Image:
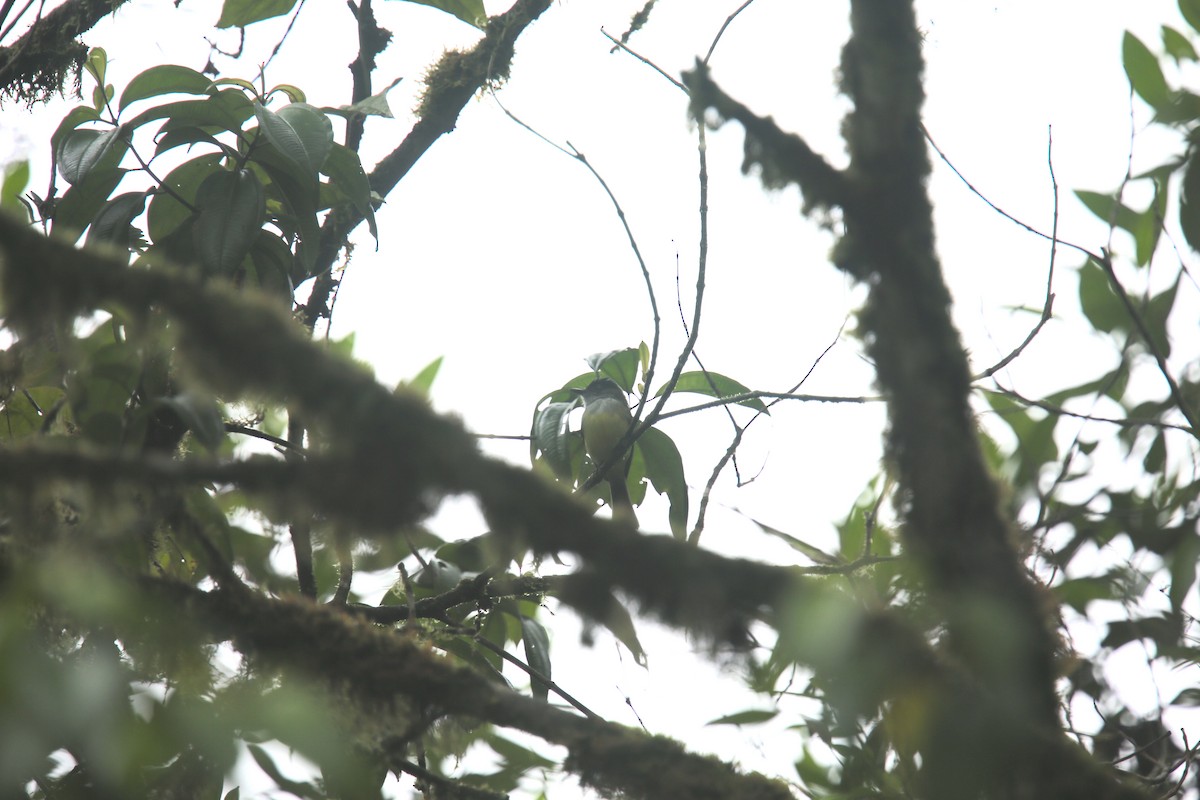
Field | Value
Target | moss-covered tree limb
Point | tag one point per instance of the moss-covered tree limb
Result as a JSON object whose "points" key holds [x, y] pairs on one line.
{"points": [[952, 519], [392, 448], [450, 85], [35, 67], [783, 158], [376, 667]]}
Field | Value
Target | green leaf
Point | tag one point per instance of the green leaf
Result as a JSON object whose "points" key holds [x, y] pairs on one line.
{"points": [[238, 13], [1177, 45], [1187, 697], [376, 105], [81, 151], [469, 11], [1110, 212], [1079, 592], [1099, 302], [550, 437], [100, 395], [1182, 561], [1190, 10], [97, 64], [537, 654], [1189, 201], [294, 93], [749, 717], [74, 118], [664, 468], [1148, 228], [232, 210], [16, 178], [113, 221], [1145, 75], [300, 132], [295, 190], [422, 382], [811, 552], [272, 263], [620, 365], [164, 79], [717, 385], [345, 171], [79, 206], [1157, 313], [190, 135], [166, 213], [226, 110]]}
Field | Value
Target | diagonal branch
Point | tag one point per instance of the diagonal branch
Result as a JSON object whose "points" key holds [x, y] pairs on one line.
{"points": [[450, 85], [783, 158]]}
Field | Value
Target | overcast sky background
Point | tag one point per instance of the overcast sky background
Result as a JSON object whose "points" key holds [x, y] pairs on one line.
{"points": [[505, 257]]}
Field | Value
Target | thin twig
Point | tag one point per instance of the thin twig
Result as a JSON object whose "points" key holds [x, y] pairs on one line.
{"points": [[1048, 304], [533, 673]]}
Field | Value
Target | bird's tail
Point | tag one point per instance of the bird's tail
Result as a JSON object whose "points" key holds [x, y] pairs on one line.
{"points": [[622, 504]]}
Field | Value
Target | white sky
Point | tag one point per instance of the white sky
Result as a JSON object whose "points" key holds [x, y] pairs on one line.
{"points": [[505, 257]]}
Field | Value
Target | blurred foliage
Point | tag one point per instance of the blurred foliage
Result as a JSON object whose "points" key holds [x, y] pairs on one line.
{"points": [[103, 695]]}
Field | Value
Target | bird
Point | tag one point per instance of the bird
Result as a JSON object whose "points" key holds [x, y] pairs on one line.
{"points": [[606, 419]]}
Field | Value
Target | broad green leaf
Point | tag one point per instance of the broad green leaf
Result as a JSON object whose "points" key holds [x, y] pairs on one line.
{"points": [[242, 82], [74, 118], [714, 384], [1149, 226], [97, 64], [1100, 304], [469, 11], [345, 171], [16, 178], [272, 259], [550, 437], [1184, 107], [1189, 201], [1108, 210], [232, 211], [113, 221], [620, 365], [188, 136], [1079, 592], [166, 213], [78, 207], [664, 468], [164, 79], [101, 95], [294, 93], [100, 394], [296, 210], [537, 654], [1182, 561], [1190, 10], [1156, 314], [300, 132], [226, 110], [81, 151], [238, 13], [1177, 45], [1145, 75], [750, 717]]}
